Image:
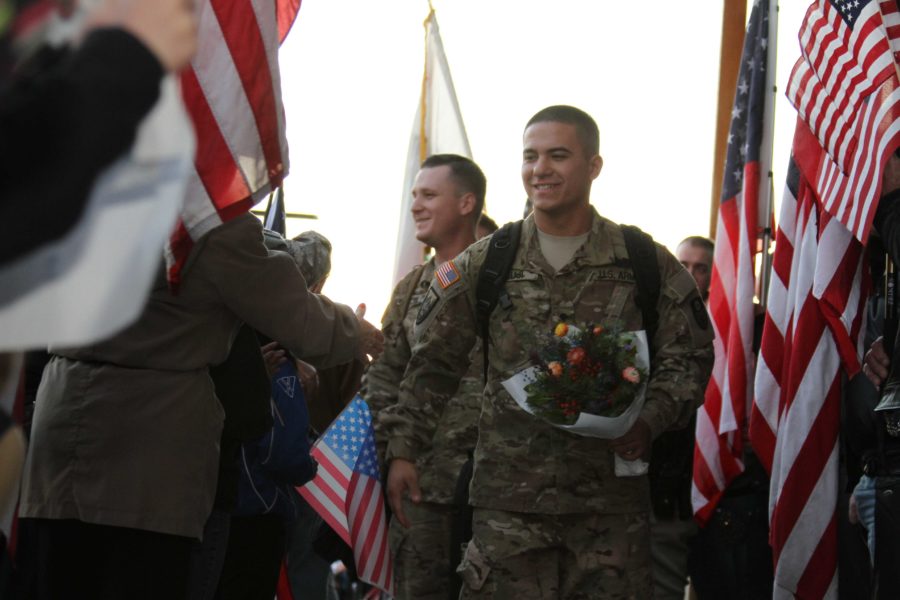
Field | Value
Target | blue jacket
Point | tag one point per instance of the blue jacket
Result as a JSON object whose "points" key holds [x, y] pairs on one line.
{"points": [[279, 460]]}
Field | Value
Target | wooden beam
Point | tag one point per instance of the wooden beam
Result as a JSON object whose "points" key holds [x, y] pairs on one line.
{"points": [[734, 25]]}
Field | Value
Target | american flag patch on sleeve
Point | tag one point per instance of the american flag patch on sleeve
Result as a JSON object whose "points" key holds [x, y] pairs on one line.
{"points": [[447, 275]]}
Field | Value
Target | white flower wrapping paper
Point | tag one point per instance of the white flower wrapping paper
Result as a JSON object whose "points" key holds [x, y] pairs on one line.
{"points": [[588, 425]]}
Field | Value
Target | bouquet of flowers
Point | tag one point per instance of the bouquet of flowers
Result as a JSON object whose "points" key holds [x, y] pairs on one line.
{"points": [[588, 380], [592, 370]]}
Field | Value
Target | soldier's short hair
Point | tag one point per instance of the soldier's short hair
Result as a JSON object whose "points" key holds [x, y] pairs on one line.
{"points": [[585, 126], [467, 175], [700, 242]]}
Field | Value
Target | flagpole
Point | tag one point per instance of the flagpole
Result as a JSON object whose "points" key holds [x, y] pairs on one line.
{"points": [[734, 24], [766, 152]]}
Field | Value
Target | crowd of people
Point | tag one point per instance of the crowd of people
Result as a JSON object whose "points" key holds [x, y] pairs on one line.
{"points": [[164, 461]]}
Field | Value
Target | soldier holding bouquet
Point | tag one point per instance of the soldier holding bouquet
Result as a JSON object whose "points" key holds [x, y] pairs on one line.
{"points": [[552, 519]]}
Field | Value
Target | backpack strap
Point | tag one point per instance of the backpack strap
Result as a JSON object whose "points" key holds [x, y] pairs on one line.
{"points": [[645, 265], [492, 278], [412, 291]]}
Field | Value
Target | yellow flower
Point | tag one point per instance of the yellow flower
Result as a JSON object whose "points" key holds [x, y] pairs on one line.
{"points": [[561, 330]]}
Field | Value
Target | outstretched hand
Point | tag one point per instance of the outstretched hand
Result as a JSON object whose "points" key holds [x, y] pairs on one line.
{"points": [[402, 479], [371, 340]]}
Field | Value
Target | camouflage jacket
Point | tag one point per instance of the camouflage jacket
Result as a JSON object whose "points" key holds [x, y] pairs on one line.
{"points": [[457, 426], [522, 463]]}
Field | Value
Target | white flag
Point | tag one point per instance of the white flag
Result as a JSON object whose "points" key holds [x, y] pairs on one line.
{"points": [[437, 129]]}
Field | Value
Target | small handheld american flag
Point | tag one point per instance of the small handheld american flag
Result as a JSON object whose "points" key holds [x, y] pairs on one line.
{"points": [[347, 492]]}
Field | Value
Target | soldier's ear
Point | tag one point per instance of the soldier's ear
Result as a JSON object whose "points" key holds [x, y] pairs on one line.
{"points": [[466, 204], [596, 166]]}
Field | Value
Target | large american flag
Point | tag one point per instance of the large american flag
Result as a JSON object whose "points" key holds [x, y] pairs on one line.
{"points": [[845, 88], [233, 93], [813, 320], [347, 494], [721, 419]]}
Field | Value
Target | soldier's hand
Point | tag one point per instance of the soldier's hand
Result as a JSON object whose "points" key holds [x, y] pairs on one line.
{"points": [[402, 479], [371, 340], [876, 363], [635, 443]]}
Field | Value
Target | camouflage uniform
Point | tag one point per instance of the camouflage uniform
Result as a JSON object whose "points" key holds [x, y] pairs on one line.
{"points": [[421, 552], [528, 474]]}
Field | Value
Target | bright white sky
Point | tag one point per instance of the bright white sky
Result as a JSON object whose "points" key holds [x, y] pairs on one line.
{"points": [[647, 72]]}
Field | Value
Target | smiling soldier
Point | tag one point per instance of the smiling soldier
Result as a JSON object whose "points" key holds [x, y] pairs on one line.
{"points": [[551, 518], [448, 198]]}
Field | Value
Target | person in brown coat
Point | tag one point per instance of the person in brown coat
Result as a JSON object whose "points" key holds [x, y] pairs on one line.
{"points": [[121, 473]]}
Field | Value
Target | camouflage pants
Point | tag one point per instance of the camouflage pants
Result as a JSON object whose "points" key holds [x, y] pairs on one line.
{"points": [[517, 556], [422, 552]]}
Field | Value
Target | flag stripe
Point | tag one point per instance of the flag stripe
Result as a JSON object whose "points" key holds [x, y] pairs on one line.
{"points": [[251, 61]]}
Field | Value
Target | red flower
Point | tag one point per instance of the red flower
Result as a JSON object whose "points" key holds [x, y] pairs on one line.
{"points": [[576, 355]]}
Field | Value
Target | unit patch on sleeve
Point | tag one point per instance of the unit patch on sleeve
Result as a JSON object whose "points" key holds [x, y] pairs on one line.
{"points": [[447, 275], [700, 314], [428, 303]]}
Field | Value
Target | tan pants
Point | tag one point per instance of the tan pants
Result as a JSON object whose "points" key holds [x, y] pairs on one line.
{"points": [[517, 556], [422, 552]]}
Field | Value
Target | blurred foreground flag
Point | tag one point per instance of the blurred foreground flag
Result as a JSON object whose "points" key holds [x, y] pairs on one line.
{"points": [[233, 93], [346, 492], [94, 280], [845, 88], [437, 129]]}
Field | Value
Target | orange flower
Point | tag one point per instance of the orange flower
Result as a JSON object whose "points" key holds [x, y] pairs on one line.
{"points": [[576, 355], [561, 330], [631, 374], [556, 369], [598, 330]]}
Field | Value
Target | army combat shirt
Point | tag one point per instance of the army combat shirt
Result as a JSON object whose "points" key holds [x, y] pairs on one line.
{"points": [[522, 463], [441, 459]]}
